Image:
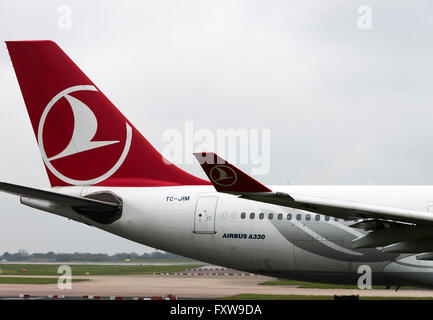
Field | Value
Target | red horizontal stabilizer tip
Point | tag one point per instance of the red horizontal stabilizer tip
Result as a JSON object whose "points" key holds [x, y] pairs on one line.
{"points": [[225, 177]]}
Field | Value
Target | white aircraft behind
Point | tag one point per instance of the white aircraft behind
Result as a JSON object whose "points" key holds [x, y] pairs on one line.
{"points": [[104, 173]]}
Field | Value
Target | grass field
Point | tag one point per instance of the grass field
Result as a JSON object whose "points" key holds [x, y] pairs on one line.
{"points": [[313, 297], [28, 280], [251, 296], [312, 285], [180, 260], [51, 269]]}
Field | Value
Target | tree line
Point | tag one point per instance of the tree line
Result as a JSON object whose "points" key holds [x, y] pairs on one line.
{"points": [[22, 255]]}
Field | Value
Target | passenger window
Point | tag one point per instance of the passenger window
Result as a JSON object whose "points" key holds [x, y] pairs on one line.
{"points": [[271, 216], [298, 216], [261, 216], [326, 218], [289, 216], [280, 216], [243, 214], [308, 217], [252, 215], [317, 217]]}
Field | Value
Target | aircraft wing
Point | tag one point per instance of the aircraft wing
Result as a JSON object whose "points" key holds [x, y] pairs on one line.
{"points": [[100, 207], [246, 187]]}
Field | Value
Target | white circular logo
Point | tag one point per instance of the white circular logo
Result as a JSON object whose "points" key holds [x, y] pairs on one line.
{"points": [[85, 127], [223, 176]]}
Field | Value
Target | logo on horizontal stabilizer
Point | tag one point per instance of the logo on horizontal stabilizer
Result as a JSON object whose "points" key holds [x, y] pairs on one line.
{"points": [[223, 176]]}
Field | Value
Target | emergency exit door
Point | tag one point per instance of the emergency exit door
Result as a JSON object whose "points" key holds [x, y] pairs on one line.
{"points": [[204, 216]]}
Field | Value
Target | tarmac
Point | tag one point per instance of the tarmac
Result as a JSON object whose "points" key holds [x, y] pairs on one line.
{"points": [[185, 286]]}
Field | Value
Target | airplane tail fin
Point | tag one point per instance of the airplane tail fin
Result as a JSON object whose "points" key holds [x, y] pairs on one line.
{"points": [[83, 138], [225, 177]]}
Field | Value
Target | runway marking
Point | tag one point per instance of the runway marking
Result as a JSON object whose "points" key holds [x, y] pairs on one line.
{"points": [[203, 274]]}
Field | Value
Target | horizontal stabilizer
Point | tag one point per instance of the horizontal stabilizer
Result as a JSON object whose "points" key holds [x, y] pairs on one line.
{"points": [[101, 207]]}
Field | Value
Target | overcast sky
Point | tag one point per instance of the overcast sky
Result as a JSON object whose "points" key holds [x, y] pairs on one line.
{"points": [[344, 105]]}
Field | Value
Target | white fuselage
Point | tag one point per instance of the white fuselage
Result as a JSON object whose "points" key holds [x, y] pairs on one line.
{"points": [[197, 222]]}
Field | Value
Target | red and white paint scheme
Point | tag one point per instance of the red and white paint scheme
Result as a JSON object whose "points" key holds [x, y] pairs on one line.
{"points": [[104, 173]]}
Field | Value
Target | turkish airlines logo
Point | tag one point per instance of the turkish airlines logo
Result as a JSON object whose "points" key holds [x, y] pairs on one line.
{"points": [[223, 176], [82, 139]]}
